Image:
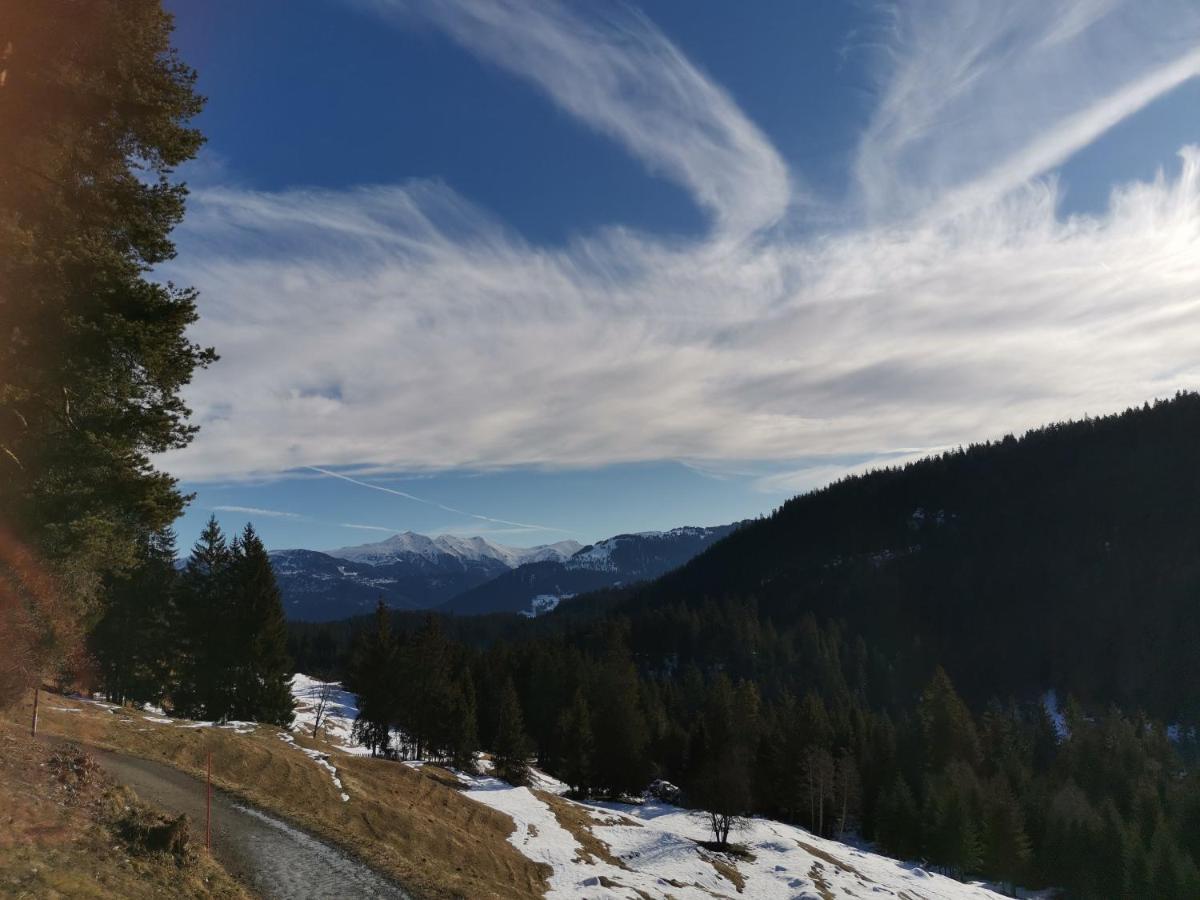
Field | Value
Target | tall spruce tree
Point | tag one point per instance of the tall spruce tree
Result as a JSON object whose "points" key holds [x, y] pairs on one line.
{"points": [[899, 825], [513, 748], [202, 627], [462, 729], [261, 668], [1006, 848], [373, 680], [620, 763], [577, 744], [426, 690], [947, 725], [950, 821], [94, 109], [132, 640]]}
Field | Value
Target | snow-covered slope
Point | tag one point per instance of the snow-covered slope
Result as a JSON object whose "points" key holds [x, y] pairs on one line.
{"points": [[653, 849], [337, 717]]}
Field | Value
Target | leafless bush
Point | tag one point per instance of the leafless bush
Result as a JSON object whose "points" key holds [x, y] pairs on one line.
{"points": [[324, 696], [37, 632]]}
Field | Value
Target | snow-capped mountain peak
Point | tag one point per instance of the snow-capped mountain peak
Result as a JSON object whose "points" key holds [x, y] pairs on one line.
{"points": [[467, 549], [470, 574]]}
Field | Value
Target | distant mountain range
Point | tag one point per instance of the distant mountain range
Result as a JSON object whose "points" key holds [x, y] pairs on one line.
{"points": [[407, 547], [471, 575], [536, 587]]}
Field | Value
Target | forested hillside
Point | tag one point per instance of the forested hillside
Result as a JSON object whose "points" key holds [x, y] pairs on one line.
{"points": [[1067, 559], [876, 657]]}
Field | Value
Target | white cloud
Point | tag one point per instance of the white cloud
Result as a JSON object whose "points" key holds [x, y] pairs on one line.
{"points": [[616, 72], [977, 97], [257, 511], [400, 328]]}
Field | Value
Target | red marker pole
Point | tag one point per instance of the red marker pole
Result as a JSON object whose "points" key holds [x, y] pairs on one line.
{"points": [[208, 808], [33, 730]]}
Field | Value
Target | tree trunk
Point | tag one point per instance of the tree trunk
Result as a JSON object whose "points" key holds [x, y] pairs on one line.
{"points": [[821, 805], [812, 799]]}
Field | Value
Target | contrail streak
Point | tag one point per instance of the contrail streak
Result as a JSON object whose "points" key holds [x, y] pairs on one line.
{"points": [[434, 503]]}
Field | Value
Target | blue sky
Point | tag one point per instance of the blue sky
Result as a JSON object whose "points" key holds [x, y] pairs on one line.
{"points": [[570, 270]]}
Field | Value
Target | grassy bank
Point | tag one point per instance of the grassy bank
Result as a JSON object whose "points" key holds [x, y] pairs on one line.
{"points": [[409, 823], [68, 831]]}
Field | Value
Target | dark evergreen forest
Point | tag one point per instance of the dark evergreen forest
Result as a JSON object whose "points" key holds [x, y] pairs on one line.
{"points": [[209, 640], [874, 658]]}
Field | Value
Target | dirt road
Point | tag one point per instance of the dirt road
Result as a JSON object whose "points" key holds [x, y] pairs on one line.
{"points": [[270, 856]]}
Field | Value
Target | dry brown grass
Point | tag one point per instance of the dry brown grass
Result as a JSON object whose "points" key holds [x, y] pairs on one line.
{"points": [[65, 833], [578, 822], [407, 823], [727, 869], [817, 874], [832, 860]]}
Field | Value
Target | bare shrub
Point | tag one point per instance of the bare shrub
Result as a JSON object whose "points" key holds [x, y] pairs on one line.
{"points": [[38, 633]]}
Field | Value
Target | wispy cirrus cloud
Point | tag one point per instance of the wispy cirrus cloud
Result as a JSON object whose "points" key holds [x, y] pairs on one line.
{"points": [[257, 511], [523, 526], [401, 328], [977, 97], [612, 69], [361, 527]]}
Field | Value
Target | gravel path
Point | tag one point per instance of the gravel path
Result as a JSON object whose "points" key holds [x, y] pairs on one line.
{"points": [[273, 858]]}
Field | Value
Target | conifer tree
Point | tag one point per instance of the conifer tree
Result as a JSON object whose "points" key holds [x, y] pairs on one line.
{"points": [[463, 731], [1137, 866], [132, 639], [577, 744], [1070, 830], [1111, 849], [951, 833], [202, 628], [372, 678], [425, 687], [814, 720], [261, 670], [1006, 848], [1173, 874], [620, 763], [511, 757], [899, 827], [946, 724], [94, 113]]}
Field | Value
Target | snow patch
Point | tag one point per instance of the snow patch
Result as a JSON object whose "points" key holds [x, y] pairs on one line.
{"points": [[544, 603], [658, 851], [1050, 704], [341, 709], [321, 759]]}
